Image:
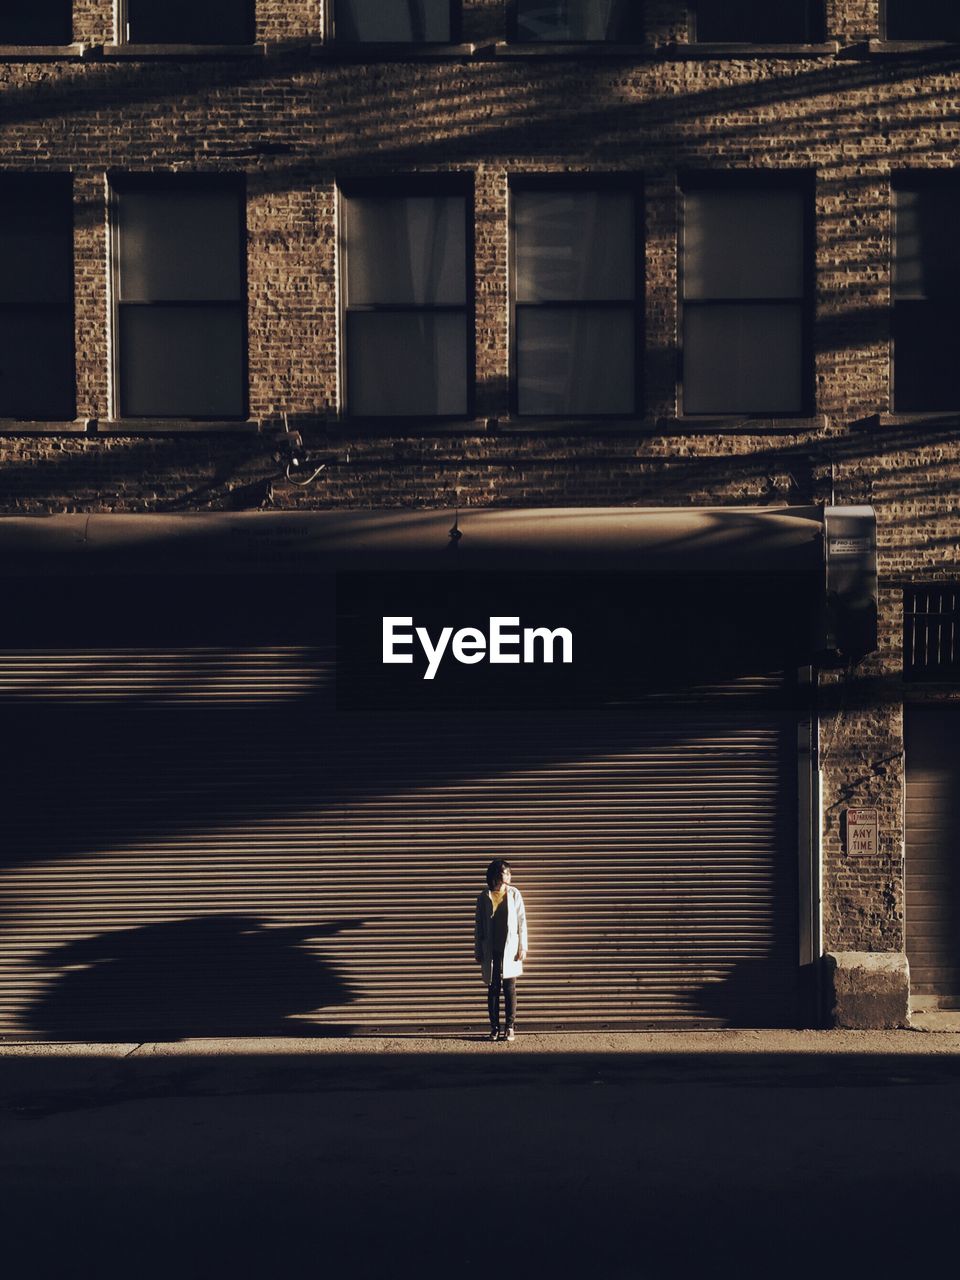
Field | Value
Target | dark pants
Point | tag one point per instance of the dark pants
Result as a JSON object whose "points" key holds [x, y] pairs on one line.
{"points": [[509, 994]]}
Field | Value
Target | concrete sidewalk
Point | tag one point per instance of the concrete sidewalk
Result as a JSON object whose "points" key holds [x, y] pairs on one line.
{"points": [[625, 1042], [44, 1076]]}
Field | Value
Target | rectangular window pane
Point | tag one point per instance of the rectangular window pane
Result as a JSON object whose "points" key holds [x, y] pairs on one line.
{"points": [[577, 360], [758, 21], [574, 245], [35, 22], [927, 253], [190, 21], [926, 357], [407, 363], [36, 297], [580, 20], [181, 361], [393, 21], [36, 364], [179, 246], [36, 239], [923, 20], [743, 244], [743, 358], [406, 250]]}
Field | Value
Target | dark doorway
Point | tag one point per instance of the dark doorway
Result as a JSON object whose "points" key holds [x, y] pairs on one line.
{"points": [[932, 859]]}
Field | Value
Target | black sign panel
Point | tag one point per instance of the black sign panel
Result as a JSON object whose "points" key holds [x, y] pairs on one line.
{"points": [[542, 639]]}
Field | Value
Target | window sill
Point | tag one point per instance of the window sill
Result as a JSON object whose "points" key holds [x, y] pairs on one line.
{"points": [[405, 428], [175, 426], [374, 52], [492, 426], [44, 52], [949, 418], [711, 50], [741, 424], [139, 52], [571, 49], [899, 48], [21, 427], [580, 426]]}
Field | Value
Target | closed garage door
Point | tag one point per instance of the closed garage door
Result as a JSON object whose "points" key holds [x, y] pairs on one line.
{"points": [[198, 843], [933, 856]]}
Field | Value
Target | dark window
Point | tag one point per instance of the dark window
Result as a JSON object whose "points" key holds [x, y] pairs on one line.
{"points": [[926, 279], [931, 632], [190, 21], [180, 318], [759, 21], [922, 20], [746, 298], [575, 295], [575, 20], [36, 298], [396, 21], [36, 22], [408, 323]]}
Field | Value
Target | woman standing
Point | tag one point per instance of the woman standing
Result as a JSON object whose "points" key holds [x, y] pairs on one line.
{"points": [[500, 943]]}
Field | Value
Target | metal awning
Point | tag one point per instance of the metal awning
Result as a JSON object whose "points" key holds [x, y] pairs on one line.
{"points": [[732, 539]]}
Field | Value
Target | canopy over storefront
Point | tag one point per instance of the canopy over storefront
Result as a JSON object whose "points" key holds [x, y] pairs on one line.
{"points": [[563, 538], [832, 547]]}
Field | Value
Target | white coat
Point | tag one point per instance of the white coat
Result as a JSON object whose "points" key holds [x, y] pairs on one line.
{"points": [[516, 943]]}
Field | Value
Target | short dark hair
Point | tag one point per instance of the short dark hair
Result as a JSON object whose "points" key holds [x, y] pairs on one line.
{"points": [[495, 872]]}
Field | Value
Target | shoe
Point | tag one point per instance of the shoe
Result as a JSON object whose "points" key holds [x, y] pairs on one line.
{"points": [[511, 1034], [494, 1033]]}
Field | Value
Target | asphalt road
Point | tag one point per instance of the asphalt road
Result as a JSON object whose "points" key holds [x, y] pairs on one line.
{"points": [[596, 1164]]}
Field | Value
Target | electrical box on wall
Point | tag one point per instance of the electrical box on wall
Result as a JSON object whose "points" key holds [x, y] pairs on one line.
{"points": [[850, 596]]}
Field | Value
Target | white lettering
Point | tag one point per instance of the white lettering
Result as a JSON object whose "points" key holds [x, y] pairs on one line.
{"points": [[434, 655], [532, 634], [499, 637], [469, 645], [391, 640]]}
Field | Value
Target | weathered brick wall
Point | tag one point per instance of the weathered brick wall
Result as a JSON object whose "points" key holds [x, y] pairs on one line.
{"points": [[290, 19], [93, 21], [851, 21], [294, 123]]}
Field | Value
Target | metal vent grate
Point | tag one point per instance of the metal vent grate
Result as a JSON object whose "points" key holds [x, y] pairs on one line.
{"points": [[931, 632]]}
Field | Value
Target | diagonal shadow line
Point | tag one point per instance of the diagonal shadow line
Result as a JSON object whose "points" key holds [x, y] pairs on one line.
{"points": [[230, 767], [371, 454], [92, 89]]}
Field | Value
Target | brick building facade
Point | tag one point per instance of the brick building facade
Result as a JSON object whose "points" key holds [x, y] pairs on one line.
{"points": [[298, 116]]}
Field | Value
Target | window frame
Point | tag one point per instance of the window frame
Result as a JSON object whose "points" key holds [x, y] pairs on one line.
{"points": [[628, 183], [63, 180], [406, 186], [514, 37], [331, 37], [119, 181], [816, 23], [924, 605], [914, 180], [125, 38], [802, 181]]}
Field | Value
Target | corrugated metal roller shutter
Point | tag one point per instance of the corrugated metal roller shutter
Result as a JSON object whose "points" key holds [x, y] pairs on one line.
{"points": [[932, 864], [196, 844]]}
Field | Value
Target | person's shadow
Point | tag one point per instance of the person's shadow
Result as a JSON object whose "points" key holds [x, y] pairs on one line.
{"points": [[217, 975]]}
